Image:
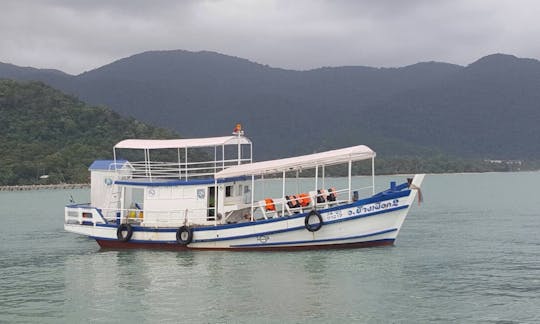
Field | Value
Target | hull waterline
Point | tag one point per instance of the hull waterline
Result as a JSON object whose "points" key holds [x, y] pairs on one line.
{"points": [[114, 245]]}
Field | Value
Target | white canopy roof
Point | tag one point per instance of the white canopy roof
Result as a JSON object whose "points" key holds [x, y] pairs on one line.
{"points": [[181, 143], [353, 153]]}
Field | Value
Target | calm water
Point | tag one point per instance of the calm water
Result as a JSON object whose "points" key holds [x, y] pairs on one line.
{"points": [[470, 253]]}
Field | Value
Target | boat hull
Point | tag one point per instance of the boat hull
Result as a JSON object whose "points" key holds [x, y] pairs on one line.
{"points": [[375, 221]]}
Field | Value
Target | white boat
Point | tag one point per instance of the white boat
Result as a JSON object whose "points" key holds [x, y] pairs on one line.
{"points": [[191, 201]]}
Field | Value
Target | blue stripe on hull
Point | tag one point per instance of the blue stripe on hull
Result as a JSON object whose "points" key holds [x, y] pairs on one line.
{"points": [[317, 241], [261, 244], [290, 229], [212, 228]]}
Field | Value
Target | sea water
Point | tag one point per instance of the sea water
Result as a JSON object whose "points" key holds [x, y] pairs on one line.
{"points": [[469, 253]]}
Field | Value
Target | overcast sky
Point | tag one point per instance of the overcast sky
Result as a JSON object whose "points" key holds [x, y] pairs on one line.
{"points": [[76, 35]]}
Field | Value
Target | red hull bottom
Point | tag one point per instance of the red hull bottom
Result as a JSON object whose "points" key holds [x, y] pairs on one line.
{"points": [[113, 244]]}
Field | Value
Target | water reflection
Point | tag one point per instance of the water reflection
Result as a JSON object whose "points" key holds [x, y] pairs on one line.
{"points": [[186, 258]]}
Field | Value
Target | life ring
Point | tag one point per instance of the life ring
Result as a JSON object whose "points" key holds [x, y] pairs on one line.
{"points": [[310, 223], [184, 235], [120, 232]]}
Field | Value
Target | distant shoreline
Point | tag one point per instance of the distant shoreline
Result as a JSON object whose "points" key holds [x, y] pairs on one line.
{"points": [[46, 187]]}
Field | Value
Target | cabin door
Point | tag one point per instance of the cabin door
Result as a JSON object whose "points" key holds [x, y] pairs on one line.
{"points": [[211, 204]]}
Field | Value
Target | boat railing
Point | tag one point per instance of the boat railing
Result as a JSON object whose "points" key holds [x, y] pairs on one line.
{"points": [[346, 195], [155, 169], [118, 166], [206, 215], [278, 207], [87, 215], [83, 214]]}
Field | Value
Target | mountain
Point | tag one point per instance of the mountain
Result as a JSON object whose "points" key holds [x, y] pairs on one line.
{"points": [[45, 132], [488, 109]]}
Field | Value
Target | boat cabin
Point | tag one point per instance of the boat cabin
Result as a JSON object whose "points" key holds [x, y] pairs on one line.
{"points": [[179, 188], [207, 181]]}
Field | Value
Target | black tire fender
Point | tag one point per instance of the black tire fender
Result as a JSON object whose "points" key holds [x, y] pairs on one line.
{"points": [[184, 235], [309, 221], [120, 232]]}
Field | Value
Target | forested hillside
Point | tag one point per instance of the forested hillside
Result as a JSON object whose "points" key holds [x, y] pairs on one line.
{"points": [[45, 132], [49, 137]]}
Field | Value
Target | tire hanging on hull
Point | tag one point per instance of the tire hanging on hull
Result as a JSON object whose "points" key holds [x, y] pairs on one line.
{"points": [[120, 232], [313, 221], [184, 235]]}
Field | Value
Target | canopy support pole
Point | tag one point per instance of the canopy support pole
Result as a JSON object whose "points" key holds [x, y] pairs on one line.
{"points": [[297, 184], [373, 176], [147, 163], [350, 180], [114, 157], [215, 159], [316, 179], [323, 184], [179, 165], [122, 204], [283, 194], [252, 194], [223, 157], [239, 150], [263, 186], [215, 201]]}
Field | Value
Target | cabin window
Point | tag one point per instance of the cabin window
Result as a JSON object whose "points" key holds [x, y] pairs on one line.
{"points": [[228, 191], [138, 195], [247, 195], [134, 198]]}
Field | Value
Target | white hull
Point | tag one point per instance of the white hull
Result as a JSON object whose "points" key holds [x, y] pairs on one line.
{"points": [[370, 222]]}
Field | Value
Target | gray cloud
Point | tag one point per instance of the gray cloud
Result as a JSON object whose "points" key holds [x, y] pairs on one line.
{"points": [[75, 36]]}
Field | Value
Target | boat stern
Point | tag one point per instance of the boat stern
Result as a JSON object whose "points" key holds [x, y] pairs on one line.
{"points": [[82, 219]]}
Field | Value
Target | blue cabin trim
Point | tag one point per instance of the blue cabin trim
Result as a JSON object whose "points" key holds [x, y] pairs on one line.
{"points": [[176, 182]]}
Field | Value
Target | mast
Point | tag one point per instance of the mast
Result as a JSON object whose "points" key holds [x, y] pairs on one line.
{"points": [[238, 132]]}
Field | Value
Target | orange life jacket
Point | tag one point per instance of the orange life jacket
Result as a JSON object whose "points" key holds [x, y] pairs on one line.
{"points": [[270, 204], [304, 199]]}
